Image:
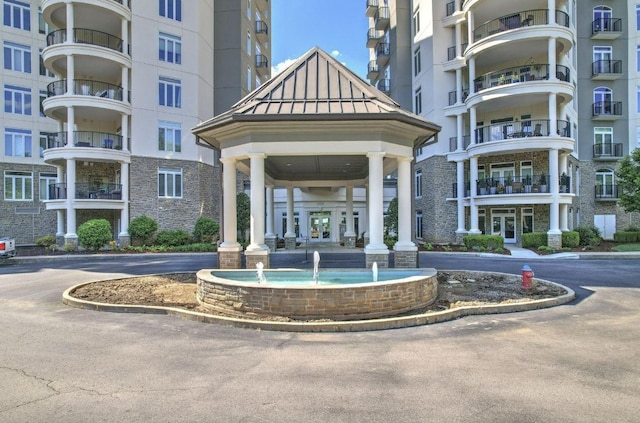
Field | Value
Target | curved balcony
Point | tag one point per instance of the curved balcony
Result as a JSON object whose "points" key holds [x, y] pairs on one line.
{"points": [[110, 12], [87, 87], [371, 8], [86, 195], [381, 18], [519, 74], [86, 139], [372, 70], [525, 18], [262, 30], [373, 36], [88, 36]]}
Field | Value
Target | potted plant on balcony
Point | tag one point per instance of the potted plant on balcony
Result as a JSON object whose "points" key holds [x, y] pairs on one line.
{"points": [[494, 186], [564, 182], [527, 183], [482, 185], [543, 183], [508, 186]]}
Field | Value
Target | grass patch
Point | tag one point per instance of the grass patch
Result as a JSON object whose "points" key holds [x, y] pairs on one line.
{"points": [[626, 247]]}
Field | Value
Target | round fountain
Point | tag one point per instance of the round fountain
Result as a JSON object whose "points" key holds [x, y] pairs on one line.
{"points": [[344, 294]]}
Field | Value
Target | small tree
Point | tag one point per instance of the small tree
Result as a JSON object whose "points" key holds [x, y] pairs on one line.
{"points": [[243, 215], [628, 180], [391, 219], [205, 230], [143, 228], [94, 234]]}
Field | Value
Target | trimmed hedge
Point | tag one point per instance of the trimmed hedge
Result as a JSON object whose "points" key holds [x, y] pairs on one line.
{"points": [[173, 238], [534, 239], [143, 228], [570, 239], [489, 242], [205, 230], [626, 236], [94, 234]]}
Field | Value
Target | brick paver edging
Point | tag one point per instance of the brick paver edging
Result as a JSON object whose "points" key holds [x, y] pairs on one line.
{"points": [[347, 326]]}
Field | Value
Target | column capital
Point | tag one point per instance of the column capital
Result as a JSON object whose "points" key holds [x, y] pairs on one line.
{"points": [[227, 160], [257, 155], [376, 154], [404, 159]]}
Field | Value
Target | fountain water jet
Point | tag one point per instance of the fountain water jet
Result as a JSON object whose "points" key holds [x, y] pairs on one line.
{"points": [[260, 271], [374, 271], [316, 261]]}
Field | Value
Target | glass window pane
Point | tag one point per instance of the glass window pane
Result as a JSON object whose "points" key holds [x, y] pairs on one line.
{"points": [[161, 188], [178, 185]]}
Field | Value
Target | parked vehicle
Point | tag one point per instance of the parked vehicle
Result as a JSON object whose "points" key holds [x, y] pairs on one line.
{"points": [[7, 247]]}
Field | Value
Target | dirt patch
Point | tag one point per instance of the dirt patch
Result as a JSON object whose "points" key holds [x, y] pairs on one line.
{"points": [[455, 289]]}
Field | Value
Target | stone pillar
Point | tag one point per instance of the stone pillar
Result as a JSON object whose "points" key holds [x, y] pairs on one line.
{"points": [[229, 252], [473, 171], [71, 237], [290, 235], [406, 252], [554, 235], [470, 26], [349, 234], [257, 251], [376, 250], [270, 238], [123, 237]]}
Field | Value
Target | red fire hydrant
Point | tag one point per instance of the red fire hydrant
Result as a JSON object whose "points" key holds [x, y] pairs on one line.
{"points": [[527, 276]]}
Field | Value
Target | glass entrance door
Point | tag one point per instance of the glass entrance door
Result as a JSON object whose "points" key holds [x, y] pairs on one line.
{"points": [[504, 223], [320, 226]]}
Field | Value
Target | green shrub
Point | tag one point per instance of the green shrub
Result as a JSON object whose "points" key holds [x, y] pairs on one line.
{"points": [[198, 247], [546, 249], [205, 230], [390, 241], [534, 239], [428, 246], [632, 228], [500, 250], [69, 247], [589, 235], [143, 228], [489, 242], [570, 239], [463, 249], [172, 238], [447, 249], [46, 241], [94, 234], [627, 236]]}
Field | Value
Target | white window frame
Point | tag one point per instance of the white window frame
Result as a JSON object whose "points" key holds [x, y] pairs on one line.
{"points": [[637, 17], [18, 142], [417, 59], [170, 92], [17, 57], [419, 224], [16, 14], [170, 136], [13, 179], [638, 58], [169, 48], [249, 49], [528, 211], [416, 21], [17, 100], [168, 180], [603, 135], [418, 183], [417, 101], [46, 179], [43, 139], [604, 175], [170, 9]]}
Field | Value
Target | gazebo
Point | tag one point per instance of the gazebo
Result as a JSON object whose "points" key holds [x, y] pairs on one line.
{"points": [[316, 124]]}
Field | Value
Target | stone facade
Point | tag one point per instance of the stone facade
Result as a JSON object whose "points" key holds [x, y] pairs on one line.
{"points": [[406, 259], [381, 259], [252, 258], [290, 242], [230, 259], [350, 241]]}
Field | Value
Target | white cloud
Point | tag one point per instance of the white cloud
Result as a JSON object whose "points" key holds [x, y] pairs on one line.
{"points": [[335, 53], [281, 66]]}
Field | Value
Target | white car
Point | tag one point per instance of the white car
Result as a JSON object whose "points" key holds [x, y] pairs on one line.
{"points": [[7, 247]]}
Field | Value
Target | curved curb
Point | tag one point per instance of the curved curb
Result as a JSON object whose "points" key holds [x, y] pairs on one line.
{"points": [[346, 326]]}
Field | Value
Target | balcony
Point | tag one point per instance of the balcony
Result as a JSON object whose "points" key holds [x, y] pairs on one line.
{"points": [[382, 54], [518, 20], [384, 85], [606, 70], [520, 130], [371, 8], [262, 31], [453, 96], [88, 36], [453, 142], [607, 151], [606, 29], [607, 192], [86, 139], [373, 36], [87, 190], [86, 87], [515, 185], [372, 70], [607, 110], [533, 72], [262, 64], [382, 18]]}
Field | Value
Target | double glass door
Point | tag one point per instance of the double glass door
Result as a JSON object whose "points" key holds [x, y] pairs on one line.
{"points": [[503, 222], [320, 226]]}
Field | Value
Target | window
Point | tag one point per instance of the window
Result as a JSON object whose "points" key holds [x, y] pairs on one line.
{"points": [[258, 82], [417, 109], [638, 99], [482, 221], [171, 9], [17, 57], [17, 14], [602, 97], [249, 78], [17, 100], [170, 136], [418, 233], [527, 220], [603, 137], [17, 142], [44, 141], [418, 183], [46, 179], [43, 97], [602, 19], [605, 183], [638, 59], [43, 70], [170, 49], [43, 28], [170, 183], [416, 22], [18, 186], [637, 17], [417, 66], [249, 9], [169, 92], [248, 43]]}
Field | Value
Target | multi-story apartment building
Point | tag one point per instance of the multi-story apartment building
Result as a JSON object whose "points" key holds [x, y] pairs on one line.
{"points": [[120, 84], [524, 92]]}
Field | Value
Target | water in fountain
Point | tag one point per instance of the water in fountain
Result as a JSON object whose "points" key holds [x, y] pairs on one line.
{"points": [[260, 267], [374, 270], [316, 261]]}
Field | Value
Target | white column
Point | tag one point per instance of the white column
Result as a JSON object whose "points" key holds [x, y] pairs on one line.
{"points": [[470, 26], [459, 99], [290, 217], [551, 5], [552, 58], [554, 222], [349, 211], [270, 211], [564, 217], [473, 171], [257, 203], [376, 204], [71, 75], [71, 195], [124, 132], [553, 115], [59, 213], [460, 195], [124, 34], [459, 133], [404, 242], [459, 52], [70, 23], [472, 75], [71, 122], [472, 124], [124, 214], [125, 84], [229, 218]]}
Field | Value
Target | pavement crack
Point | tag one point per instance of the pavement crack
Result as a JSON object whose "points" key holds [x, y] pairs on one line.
{"points": [[47, 384]]}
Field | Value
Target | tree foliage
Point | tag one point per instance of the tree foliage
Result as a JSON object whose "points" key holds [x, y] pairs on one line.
{"points": [[391, 219], [628, 180], [143, 228], [243, 214], [205, 230], [94, 234]]}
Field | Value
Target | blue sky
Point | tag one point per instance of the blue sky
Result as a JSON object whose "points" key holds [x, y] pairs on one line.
{"points": [[337, 26]]}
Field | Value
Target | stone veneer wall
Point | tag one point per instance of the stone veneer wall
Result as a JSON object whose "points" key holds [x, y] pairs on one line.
{"points": [[439, 215], [38, 222], [200, 193]]}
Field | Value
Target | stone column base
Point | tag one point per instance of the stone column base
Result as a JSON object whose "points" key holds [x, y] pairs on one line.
{"points": [[124, 241], [271, 242], [231, 259], [290, 242], [460, 237], [254, 257], [366, 240], [71, 242], [381, 259], [350, 241], [60, 240], [554, 240], [406, 259]]}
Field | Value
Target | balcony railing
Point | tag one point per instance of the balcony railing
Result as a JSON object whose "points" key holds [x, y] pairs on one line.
{"points": [[87, 36], [373, 36], [86, 87], [382, 49], [262, 28], [606, 25], [262, 61], [451, 53], [451, 8], [518, 20], [87, 190], [371, 7], [383, 85], [607, 108], [512, 185], [533, 72], [607, 192], [453, 96], [86, 139], [520, 129], [453, 142], [372, 68], [607, 150], [606, 67], [382, 18]]}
